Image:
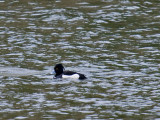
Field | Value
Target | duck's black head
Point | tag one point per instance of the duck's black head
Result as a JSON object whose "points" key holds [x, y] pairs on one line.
{"points": [[58, 69]]}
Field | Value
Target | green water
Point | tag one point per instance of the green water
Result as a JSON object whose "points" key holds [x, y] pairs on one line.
{"points": [[116, 44]]}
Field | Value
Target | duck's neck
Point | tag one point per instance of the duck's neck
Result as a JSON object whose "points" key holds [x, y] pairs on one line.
{"points": [[57, 74]]}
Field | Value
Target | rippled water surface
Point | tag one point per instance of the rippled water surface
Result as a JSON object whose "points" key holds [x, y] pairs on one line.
{"points": [[115, 43]]}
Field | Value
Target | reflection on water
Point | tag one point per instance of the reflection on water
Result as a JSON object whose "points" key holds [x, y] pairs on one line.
{"points": [[115, 43]]}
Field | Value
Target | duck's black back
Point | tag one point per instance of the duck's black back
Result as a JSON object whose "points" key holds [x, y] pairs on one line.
{"points": [[81, 76]]}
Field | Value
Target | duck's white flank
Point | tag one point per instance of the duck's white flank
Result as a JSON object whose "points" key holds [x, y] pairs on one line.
{"points": [[74, 76]]}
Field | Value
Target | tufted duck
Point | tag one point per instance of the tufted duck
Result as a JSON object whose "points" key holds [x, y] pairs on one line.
{"points": [[60, 73]]}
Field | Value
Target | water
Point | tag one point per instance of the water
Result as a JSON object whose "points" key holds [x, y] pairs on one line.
{"points": [[116, 44]]}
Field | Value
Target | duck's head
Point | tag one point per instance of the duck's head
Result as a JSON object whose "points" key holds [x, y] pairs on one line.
{"points": [[58, 69]]}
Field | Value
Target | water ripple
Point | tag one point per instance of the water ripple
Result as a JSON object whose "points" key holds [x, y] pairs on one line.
{"points": [[114, 43]]}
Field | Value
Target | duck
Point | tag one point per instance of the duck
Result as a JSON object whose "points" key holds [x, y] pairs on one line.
{"points": [[61, 73]]}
